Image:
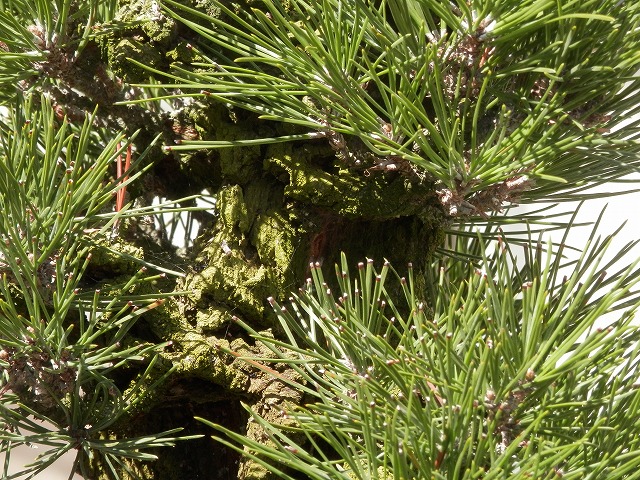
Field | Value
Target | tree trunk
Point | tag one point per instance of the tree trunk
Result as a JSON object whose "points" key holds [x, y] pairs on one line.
{"points": [[278, 208], [283, 206]]}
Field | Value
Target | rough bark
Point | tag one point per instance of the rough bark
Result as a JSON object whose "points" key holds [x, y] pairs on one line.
{"points": [[278, 208]]}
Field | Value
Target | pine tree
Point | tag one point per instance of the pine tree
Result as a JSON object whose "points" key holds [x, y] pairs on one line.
{"points": [[387, 138]]}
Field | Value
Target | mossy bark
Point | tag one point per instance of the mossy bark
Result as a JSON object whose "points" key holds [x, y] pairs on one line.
{"points": [[285, 212], [277, 209]]}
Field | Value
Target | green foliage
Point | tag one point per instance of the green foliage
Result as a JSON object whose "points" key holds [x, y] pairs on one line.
{"points": [[40, 40], [60, 343], [499, 373], [494, 101], [489, 368]]}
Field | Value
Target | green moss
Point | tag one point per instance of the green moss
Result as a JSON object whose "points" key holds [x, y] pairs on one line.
{"points": [[147, 16], [233, 210], [231, 279], [252, 254], [216, 121], [203, 360], [211, 319], [208, 117], [351, 194], [274, 237], [268, 216], [184, 53], [148, 31], [195, 354], [233, 282], [121, 51], [117, 258], [160, 31], [240, 165]]}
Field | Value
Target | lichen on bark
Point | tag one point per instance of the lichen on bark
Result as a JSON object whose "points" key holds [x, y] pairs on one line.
{"points": [[299, 206], [268, 227], [277, 209]]}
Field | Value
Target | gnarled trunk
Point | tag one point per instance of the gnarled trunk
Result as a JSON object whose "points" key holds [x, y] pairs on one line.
{"points": [[277, 209]]}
